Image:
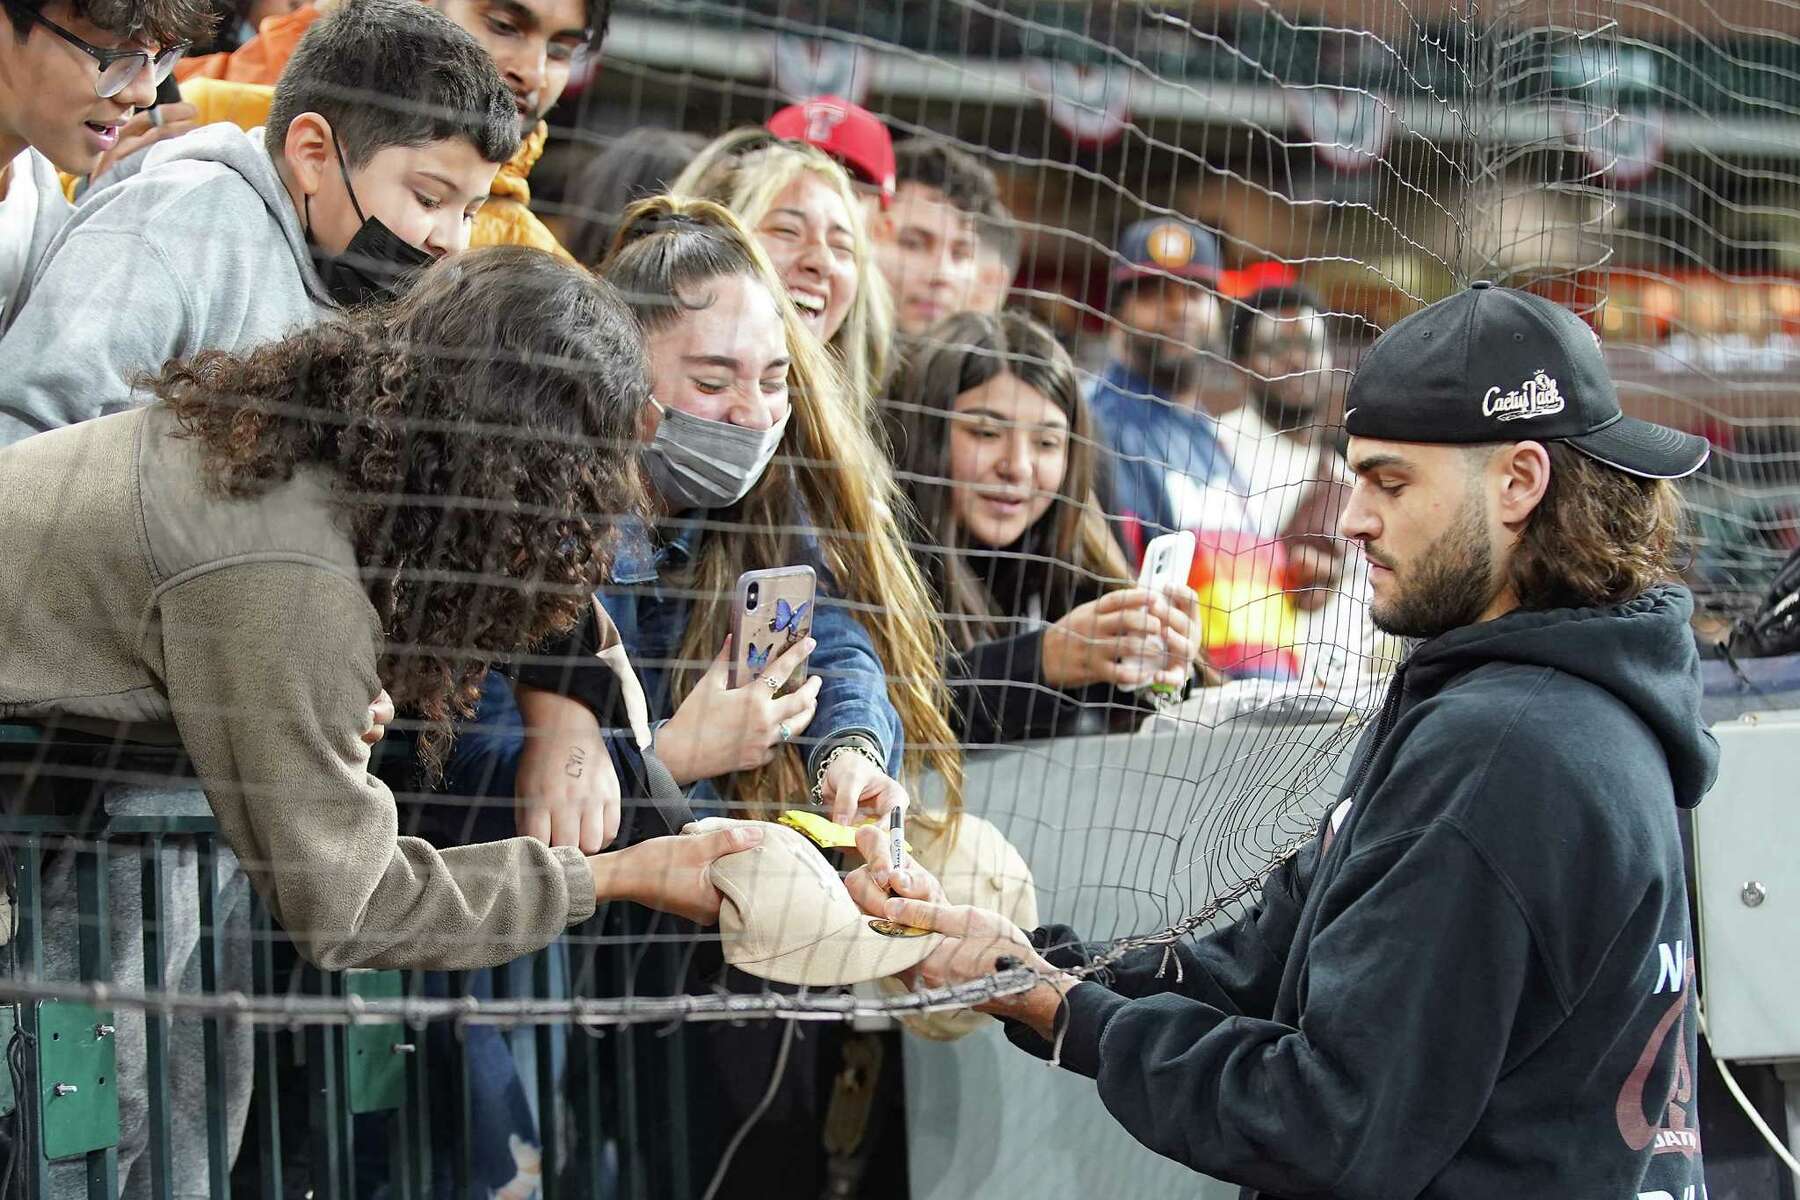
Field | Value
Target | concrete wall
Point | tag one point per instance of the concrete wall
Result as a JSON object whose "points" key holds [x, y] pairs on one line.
{"points": [[1124, 835]]}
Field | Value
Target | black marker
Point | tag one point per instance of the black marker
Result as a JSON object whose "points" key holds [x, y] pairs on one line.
{"points": [[896, 836]]}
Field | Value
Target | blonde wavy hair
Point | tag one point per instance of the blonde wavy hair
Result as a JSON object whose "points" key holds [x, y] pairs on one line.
{"points": [[829, 472], [746, 170]]}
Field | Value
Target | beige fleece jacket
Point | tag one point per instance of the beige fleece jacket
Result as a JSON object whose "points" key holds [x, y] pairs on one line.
{"points": [[134, 601]]}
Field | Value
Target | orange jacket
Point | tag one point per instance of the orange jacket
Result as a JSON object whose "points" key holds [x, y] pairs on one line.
{"points": [[505, 220], [258, 60]]}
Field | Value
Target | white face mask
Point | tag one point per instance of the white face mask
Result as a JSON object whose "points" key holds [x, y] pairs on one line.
{"points": [[699, 463]]}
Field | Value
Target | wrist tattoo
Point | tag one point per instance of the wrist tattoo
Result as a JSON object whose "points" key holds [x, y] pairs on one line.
{"points": [[577, 760]]}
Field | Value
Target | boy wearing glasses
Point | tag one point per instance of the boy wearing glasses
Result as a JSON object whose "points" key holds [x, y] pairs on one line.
{"points": [[382, 142], [72, 72]]}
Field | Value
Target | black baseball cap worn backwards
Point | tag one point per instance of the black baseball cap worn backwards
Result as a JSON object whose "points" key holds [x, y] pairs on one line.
{"points": [[1491, 364]]}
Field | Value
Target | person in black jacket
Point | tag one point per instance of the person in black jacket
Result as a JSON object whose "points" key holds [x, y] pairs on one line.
{"points": [[1477, 979], [994, 448]]}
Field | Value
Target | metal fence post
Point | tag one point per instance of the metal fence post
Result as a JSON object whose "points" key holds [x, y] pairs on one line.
{"points": [[674, 1070], [549, 1094], [413, 1164], [155, 891], [332, 1142], [94, 904], [30, 961], [584, 1066], [464, 1114], [267, 1053], [218, 1137]]}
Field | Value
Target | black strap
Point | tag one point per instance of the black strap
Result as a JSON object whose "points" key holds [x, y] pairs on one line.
{"points": [[665, 794]]}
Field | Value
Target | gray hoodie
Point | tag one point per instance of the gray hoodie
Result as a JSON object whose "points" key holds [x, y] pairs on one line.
{"points": [[201, 250], [52, 213]]}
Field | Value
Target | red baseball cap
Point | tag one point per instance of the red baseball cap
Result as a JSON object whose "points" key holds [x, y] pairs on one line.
{"points": [[848, 132]]}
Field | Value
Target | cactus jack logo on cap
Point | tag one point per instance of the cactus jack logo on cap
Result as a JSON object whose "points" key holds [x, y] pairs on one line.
{"points": [[1431, 379], [1536, 397]]}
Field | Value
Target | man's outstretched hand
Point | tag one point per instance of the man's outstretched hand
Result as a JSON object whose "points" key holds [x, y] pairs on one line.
{"points": [[975, 940]]}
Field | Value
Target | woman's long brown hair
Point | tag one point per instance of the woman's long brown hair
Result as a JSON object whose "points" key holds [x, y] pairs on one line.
{"points": [[1599, 537], [958, 355]]}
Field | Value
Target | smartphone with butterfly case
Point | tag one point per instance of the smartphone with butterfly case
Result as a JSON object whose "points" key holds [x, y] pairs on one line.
{"points": [[771, 611]]}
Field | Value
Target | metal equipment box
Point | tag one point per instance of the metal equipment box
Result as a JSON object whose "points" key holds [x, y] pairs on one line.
{"points": [[1747, 866]]}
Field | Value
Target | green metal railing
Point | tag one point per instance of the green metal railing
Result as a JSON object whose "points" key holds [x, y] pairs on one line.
{"points": [[342, 1080]]}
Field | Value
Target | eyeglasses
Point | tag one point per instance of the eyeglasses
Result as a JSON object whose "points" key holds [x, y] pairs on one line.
{"points": [[118, 68]]}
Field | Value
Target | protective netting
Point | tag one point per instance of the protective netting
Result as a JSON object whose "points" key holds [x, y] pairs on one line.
{"points": [[1630, 161], [1354, 161]]}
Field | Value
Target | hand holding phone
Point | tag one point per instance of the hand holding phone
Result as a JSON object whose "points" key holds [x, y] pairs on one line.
{"points": [[719, 728], [1168, 560], [1127, 639], [771, 612]]}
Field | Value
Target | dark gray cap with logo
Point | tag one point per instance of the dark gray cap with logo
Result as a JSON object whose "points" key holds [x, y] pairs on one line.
{"points": [[1491, 364]]}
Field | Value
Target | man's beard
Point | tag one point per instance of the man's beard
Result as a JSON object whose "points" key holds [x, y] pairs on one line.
{"points": [[1167, 366], [1449, 585], [1279, 415], [1286, 408]]}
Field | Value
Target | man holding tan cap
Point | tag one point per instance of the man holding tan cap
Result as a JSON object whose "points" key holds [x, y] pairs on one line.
{"points": [[1476, 981]]}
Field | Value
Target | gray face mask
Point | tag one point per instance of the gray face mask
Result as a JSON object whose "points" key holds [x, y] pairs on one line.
{"points": [[697, 463]]}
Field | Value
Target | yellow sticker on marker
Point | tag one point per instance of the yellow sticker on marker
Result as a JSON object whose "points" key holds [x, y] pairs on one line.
{"points": [[823, 831]]}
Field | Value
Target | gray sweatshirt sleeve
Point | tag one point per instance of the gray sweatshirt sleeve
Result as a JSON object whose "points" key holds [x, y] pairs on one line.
{"points": [[270, 668], [106, 306]]}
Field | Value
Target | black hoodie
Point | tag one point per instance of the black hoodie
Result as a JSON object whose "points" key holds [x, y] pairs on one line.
{"points": [[1477, 981]]}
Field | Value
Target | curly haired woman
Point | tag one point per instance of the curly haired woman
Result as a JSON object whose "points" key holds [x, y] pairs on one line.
{"points": [[396, 499]]}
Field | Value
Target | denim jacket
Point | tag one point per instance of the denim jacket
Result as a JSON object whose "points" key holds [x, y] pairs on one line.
{"points": [[652, 618]]}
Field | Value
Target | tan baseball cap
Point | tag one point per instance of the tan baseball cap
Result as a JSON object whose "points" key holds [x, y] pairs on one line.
{"points": [[787, 917], [976, 865]]}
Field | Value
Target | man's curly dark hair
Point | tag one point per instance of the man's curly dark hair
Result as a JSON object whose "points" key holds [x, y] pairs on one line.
{"points": [[479, 434]]}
